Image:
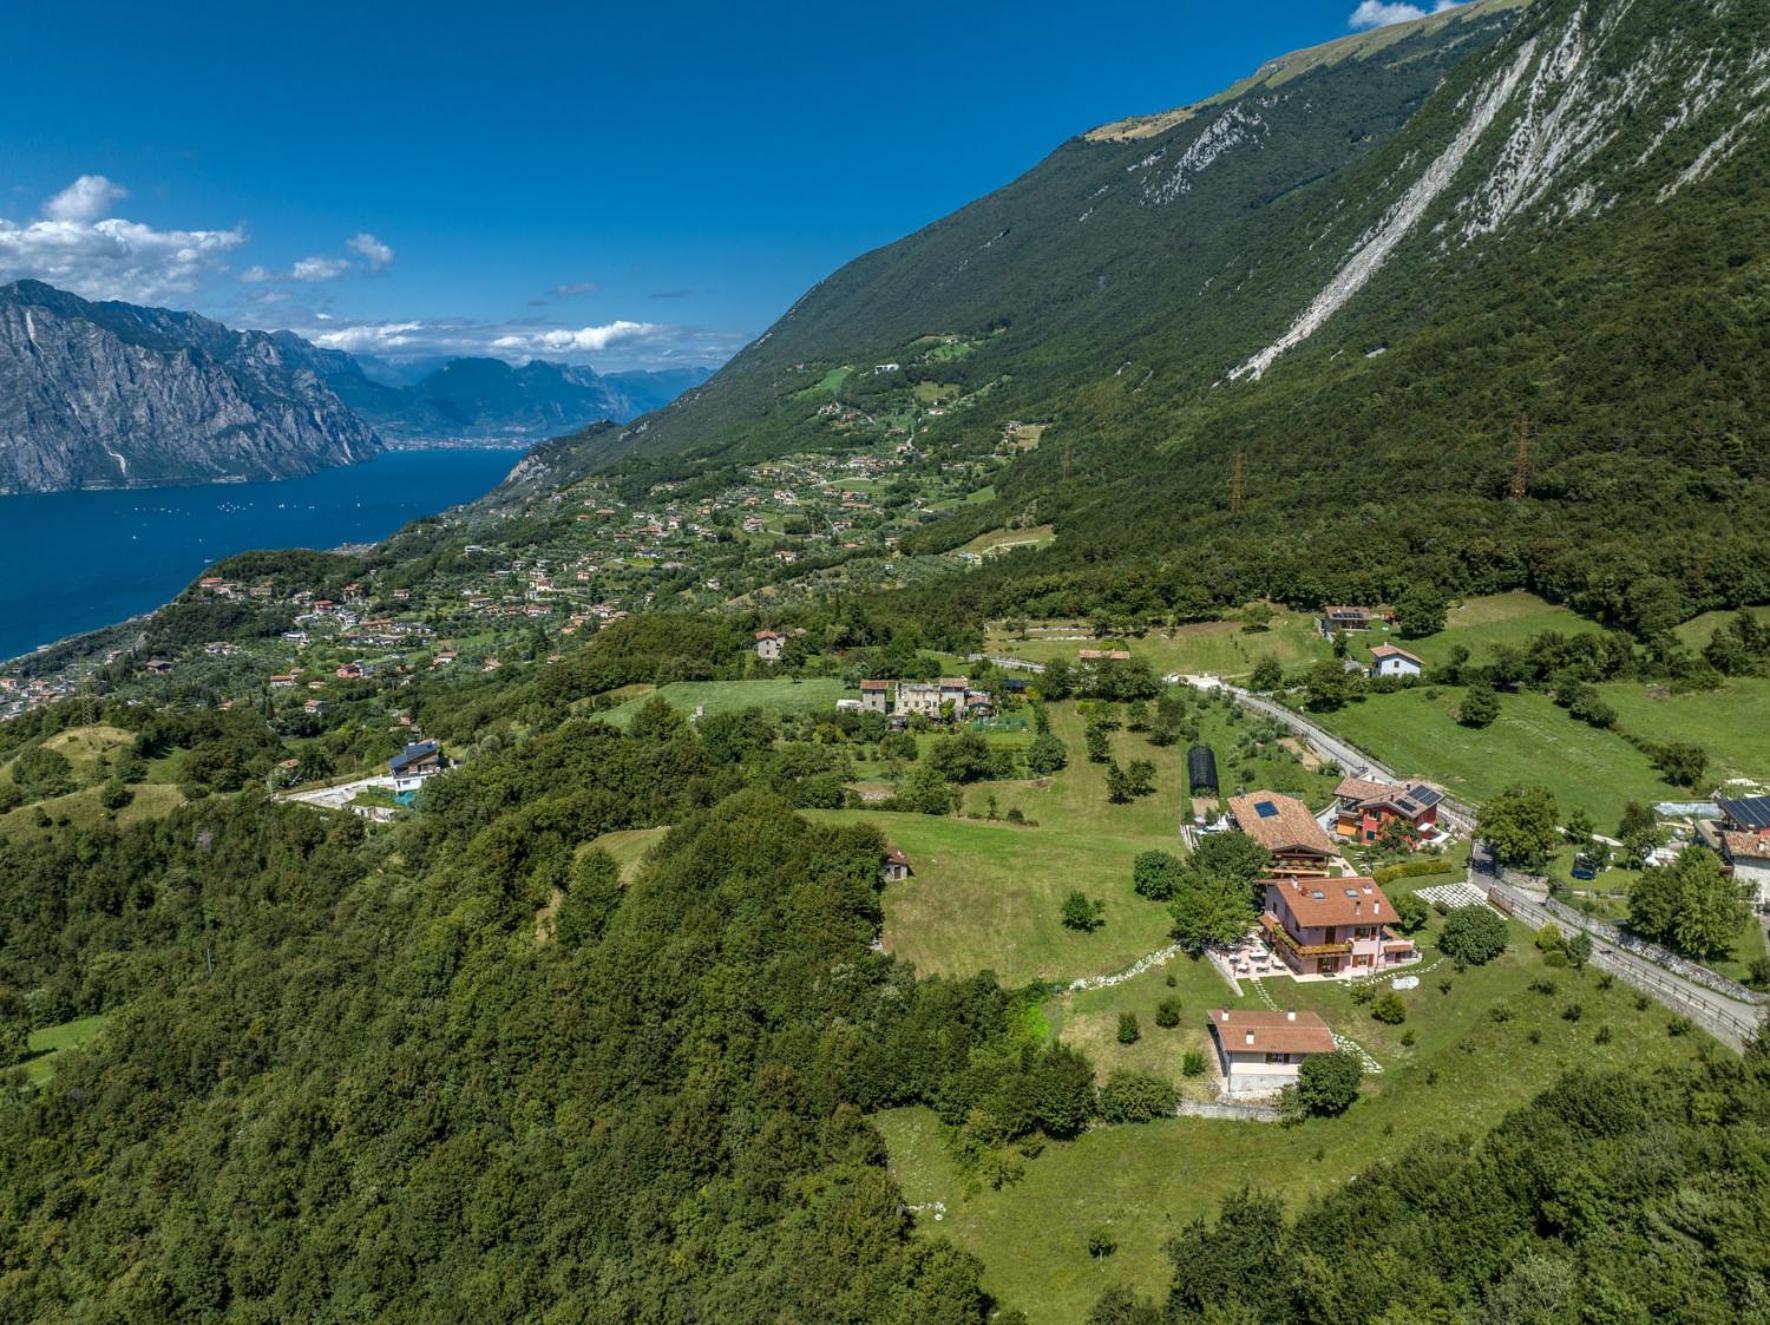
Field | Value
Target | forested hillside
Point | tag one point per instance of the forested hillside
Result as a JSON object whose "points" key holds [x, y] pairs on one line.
{"points": [[1481, 305]]}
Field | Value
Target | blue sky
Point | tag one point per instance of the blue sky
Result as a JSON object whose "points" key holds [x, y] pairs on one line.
{"points": [[626, 186]]}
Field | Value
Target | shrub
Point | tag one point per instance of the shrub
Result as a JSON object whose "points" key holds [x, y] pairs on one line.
{"points": [[1407, 1037], [1603, 1035], [1389, 1009], [1136, 1097], [1410, 913], [1167, 1013], [1499, 1013], [1328, 1083], [1680, 1026], [1081, 913], [1129, 1031], [1548, 938], [1572, 1012], [1473, 934], [1192, 1063], [1556, 958], [1101, 1243]]}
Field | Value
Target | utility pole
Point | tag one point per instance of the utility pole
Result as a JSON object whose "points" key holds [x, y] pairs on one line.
{"points": [[1521, 464], [1235, 481]]}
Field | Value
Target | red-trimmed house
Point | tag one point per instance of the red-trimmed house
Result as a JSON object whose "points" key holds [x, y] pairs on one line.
{"points": [[1364, 808]]}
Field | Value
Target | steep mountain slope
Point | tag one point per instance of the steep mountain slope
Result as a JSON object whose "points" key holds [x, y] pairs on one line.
{"points": [[487, 399], [113, 395], [1348, 283]]}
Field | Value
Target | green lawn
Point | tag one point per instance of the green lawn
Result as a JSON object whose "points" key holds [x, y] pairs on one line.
{"points": [[84, 809], [1730, 723], [784, 695], [51, 1040], [628, 846], [986, 897], [1225, 648], [1532, 741], [1002, 540], [1478, 624], [1463, 1074]]}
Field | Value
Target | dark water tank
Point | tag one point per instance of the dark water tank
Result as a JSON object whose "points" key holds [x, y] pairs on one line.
{"points": [[1201, 769]]}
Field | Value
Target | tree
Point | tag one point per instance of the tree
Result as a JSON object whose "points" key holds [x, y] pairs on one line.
{"points": [[925, 791], [1155, 875], [1082, 914], [1136, 1097], [1389, 1009], [1473, 935], [1129, 1030], [1234, 855], [964, 757], [1690, 903], [1326, 685], [1579, 827], [1480, 706], [1099, 745], [1640, 834], [1267, 675], [1519, 824], [1420, 611], [1578, 949], [1046, 755], [1210, 909], [1327, 1084], [1140, 775], [1119, 788], [1410, 913], [1680, 762]]}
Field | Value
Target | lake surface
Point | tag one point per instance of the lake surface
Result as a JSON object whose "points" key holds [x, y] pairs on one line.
{"points": [[75, 561]]}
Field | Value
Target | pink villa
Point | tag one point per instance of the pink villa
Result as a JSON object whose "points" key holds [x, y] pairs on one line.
{"points": [[1333, 927]]}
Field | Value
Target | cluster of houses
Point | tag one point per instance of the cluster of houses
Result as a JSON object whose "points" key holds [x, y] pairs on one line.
{"points": [[1320, 917], [949, 697]]}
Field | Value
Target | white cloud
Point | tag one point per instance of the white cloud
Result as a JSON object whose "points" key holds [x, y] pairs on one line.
{"points": [[86, 199], [369, 336], [584, 339], [572, 289], [378, 255], [109, 258], [318, 269], [1382, 13]]}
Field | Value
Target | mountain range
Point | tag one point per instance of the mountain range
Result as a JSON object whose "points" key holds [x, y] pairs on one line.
{"points": [[1477, 298], [111, 395], [105, 395]]}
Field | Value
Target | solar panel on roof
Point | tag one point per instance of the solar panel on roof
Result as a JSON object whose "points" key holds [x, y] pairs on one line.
{"points": [[1751, 812], [1266, 810], [1427, 796]]}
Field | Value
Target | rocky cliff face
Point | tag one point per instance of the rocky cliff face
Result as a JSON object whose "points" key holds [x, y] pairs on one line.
{"points": [[106, 395]]}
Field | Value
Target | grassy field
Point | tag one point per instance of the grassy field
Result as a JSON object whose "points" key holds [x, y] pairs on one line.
{"points": [[1001, 540], [628, 846], [1696, 631], [1532, 741], [1462, 1075], [1729, 723], [778, 696], [84, 809], [51, 1040], [829, 384], [1479, 624], [986, 896], [1225, 648]]}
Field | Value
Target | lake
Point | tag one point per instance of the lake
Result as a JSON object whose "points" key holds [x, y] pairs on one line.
{"points": [[75, 561]]}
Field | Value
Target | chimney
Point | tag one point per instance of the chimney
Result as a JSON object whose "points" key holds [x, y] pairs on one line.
{"points": [[1290, 1014], [1356, 904], [1250, 1037], [1224, 1015]]}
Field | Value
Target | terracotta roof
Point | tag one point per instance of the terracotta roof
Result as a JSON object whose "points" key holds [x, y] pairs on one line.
{"points": [[1279, 823], [1355, 901], [893, 856], [1272, 1032], [769, 634], [953, 683], [874, 685], [1361, 789], [1752, 846], [1390, 651]]}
